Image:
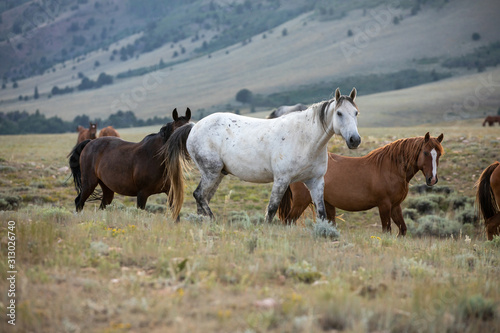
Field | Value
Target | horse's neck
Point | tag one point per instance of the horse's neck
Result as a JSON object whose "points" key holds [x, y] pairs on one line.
{"points": [[319, 135]]}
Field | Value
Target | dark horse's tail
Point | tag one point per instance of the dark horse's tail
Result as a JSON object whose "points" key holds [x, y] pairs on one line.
{"points": [[74, 164], [176, 158], [485, 200]]}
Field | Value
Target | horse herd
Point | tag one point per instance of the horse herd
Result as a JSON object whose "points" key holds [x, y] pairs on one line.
{"points": [[289, 149], [90, 133]]}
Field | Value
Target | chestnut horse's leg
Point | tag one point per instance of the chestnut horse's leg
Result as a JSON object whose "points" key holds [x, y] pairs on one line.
{"points": [[330, 212], [107, 196], [493, 226], [384, 211], [397, 217]]}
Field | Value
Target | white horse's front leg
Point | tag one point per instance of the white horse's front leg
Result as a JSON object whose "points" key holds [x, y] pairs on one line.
{"points": [[317, 187], [279, 188]]}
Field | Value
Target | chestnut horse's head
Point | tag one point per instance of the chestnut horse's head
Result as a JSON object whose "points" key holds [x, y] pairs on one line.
{"points": [[92, 130], [428, 158]]}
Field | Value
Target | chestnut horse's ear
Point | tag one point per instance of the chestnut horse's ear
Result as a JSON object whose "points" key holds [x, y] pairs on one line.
{"points": [[337, 94], [188, 113], [440, 138], [427, 137], [353, 93], [175, 116]]}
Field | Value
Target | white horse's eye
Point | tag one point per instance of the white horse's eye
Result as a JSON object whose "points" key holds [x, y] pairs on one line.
{"points": [[339, 113], [356, 114]]}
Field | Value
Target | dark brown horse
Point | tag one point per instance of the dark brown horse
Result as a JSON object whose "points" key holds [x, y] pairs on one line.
{"points": [[379, 179], [86, 133], [108, 131], [127, 168], [488, 199], [491, 120]]}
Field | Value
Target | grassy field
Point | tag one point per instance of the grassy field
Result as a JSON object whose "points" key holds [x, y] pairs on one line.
{"points": [[125, 270]]}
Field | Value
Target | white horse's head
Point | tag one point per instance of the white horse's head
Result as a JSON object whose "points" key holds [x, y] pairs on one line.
{"points": [[345, 118]]}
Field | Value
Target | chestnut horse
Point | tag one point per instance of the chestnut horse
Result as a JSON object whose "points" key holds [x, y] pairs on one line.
{"points": [[127, 168], [86, 133], [108, 131], [491, 120], [379, 179], [488, 199]]}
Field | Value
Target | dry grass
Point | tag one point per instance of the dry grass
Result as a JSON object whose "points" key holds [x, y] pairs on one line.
{"points": [[124, 270]]}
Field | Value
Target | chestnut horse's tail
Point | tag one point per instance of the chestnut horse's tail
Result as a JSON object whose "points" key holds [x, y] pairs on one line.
{"points": [[74, 164], [176, 158], [485, 200], [285, 206]]}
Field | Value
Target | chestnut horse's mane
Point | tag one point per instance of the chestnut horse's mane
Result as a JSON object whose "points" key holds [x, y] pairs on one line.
{"points": [[404, 151]]}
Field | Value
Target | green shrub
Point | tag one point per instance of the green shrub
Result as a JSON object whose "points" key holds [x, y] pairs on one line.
{"points": [[303, 272], [423, 205], [477, 307], [325, 229], [432, 225], [410, 213], [154, 208], [55, 214], [467, 215], [9, 202]]}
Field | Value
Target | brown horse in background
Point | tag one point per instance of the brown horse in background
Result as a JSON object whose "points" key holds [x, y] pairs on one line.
{"points": [[488, 199], [379, 179], [127, 168], [491, 120], [86, 133], [108, 131]]}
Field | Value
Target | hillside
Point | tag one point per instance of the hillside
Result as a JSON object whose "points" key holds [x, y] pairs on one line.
{"points": [[304, 50]]}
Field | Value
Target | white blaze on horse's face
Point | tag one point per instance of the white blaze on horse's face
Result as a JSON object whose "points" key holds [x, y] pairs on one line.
{"points": [[345, 118], [428, 160]]}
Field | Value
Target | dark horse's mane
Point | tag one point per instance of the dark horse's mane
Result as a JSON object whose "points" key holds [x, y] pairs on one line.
{"points": [[167, 128], [400, 151]]}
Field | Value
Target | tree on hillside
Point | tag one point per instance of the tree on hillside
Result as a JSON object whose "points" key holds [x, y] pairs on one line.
{"points": [[36, 95], [244, 96]]}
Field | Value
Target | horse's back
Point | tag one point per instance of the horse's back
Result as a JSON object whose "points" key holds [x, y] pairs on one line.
{"points": [[108, 131], [255, 149]]}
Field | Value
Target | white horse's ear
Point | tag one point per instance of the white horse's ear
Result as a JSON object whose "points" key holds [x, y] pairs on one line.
{"points": [[440, 138], [175, 116], [188, 113], [427, 137], [337, 94], [353, 93]]}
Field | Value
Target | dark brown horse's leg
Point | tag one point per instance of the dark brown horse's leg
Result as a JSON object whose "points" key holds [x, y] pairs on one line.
{"points": [[493, 226], [87, 190], [385, 216], [397, 217], [142, 199], [107, 196]]}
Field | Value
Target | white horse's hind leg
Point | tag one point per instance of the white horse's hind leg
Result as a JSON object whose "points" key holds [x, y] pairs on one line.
{"points": [[209, 182], [317, 186], [279, 188]]}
